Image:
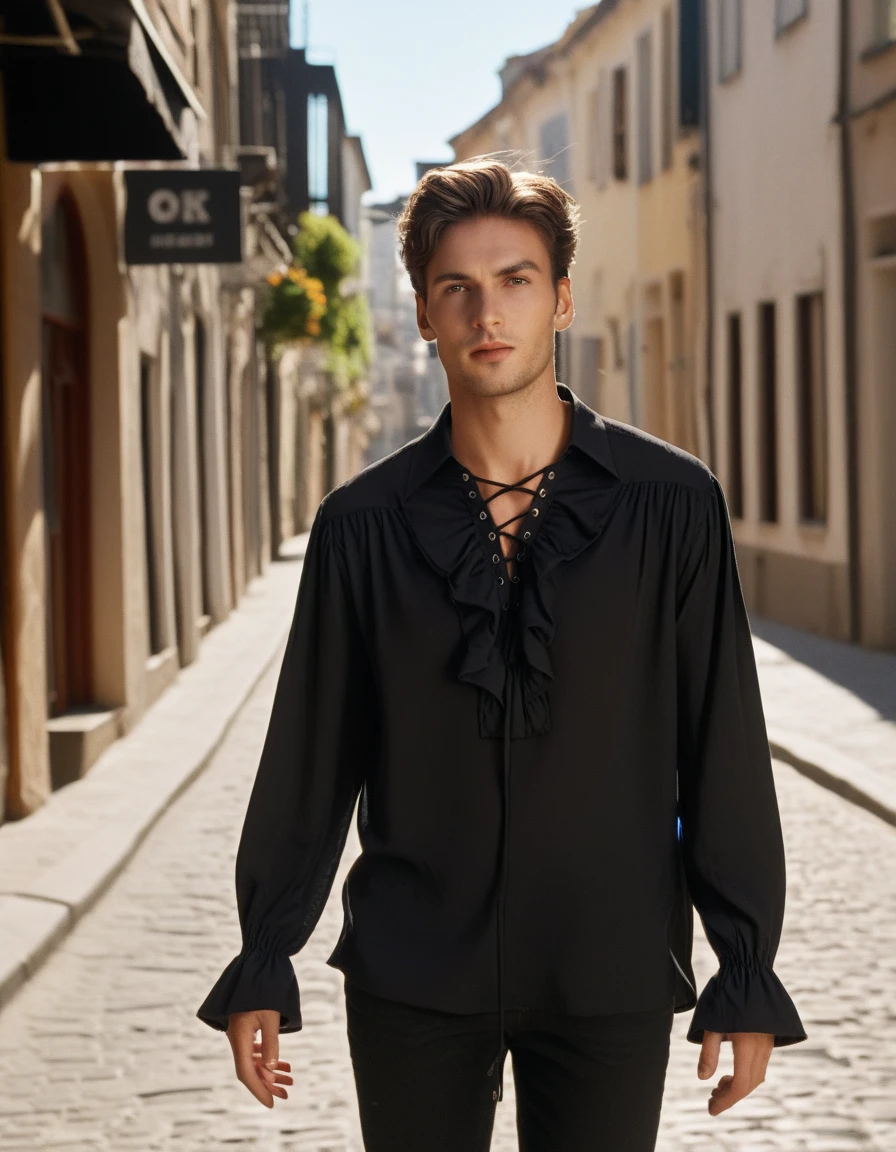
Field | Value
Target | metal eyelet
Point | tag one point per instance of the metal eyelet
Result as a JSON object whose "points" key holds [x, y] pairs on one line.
{"points": [[542, 492], [466, 475], [495, 558], [520, 555], [505, 606], [483, 515], [500, 579], [491, 535], [516, 579], [550, 476], [534, 511], [526, 535], [473, 495]]}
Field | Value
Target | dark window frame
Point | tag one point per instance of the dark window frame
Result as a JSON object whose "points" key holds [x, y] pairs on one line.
{"points": [[766, 315], [620, 122], [735, 491], [782, 24], [812, 409]]}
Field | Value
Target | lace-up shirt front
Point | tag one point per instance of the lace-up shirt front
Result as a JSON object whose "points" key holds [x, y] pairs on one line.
{"points": [[557, 753]]}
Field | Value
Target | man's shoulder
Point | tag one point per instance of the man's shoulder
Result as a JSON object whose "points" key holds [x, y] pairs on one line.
{"points": [[640, 456], [377, 485]]}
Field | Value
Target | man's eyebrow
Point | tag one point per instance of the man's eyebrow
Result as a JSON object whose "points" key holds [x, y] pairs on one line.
{"points": [[521, 266]]}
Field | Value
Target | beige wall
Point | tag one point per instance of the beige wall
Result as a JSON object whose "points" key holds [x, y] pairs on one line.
{"points": [[639, 256], [777, 233], [873, 138], [147, 316], [28, 782]]}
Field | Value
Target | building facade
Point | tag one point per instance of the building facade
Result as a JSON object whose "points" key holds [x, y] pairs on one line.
{"points": [[141, 422], [735, 279], [611, 111], [134, 507], [867, 119]]}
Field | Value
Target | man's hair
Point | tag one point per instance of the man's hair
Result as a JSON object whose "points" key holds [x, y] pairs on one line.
{"points": [[483, 186]]}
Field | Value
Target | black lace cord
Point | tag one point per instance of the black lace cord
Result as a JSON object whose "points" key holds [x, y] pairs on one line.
{"points": [[520, 486]]}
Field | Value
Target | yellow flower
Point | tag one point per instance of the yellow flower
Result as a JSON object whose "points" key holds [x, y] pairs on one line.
{"points": [[275, 278]]}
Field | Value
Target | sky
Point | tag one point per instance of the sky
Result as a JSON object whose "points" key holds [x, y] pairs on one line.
{"points": [[413, 73]]}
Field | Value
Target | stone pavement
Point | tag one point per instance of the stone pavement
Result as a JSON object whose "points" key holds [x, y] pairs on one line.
{"points": [[100, 1048], [830, 709]]}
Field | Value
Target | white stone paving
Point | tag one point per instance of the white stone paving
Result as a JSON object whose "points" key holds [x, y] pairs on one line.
{"points": [[102, 1050]]}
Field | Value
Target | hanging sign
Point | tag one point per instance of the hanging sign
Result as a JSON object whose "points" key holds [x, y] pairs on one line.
{"points": [[179, 216]]}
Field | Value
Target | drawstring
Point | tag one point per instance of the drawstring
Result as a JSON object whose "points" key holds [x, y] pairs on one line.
{"points": [[498, 1093]]}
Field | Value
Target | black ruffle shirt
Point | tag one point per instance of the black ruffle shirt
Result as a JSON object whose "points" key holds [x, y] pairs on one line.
{"points": [[553, 769]]}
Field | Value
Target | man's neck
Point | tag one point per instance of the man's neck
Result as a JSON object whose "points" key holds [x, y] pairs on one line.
{"points": [[507, 437]]}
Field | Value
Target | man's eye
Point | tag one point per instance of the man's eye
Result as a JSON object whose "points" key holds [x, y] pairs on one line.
{"points": [[522, 279], [451, 287]]}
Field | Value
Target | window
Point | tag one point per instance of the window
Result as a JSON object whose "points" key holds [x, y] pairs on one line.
{"points": [[149, 457], [616, 338], [591, 367], [593, 133], [812, 406], [554, 144], [735, 427], [604, 128], [620, 116], [768, 440], [730, 38], [667, 97], [884, 21], [318, 144], [634, 398], [690, 95], [787, 12], [645, 102], [562, 356]]}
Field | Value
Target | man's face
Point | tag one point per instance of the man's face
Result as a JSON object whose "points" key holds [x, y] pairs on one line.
{"points": [[489, 281]]}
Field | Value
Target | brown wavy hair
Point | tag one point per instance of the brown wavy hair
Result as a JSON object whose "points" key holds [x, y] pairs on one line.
{"points": [[484, 186]]}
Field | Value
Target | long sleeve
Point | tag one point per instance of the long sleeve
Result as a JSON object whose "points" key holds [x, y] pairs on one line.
{"points": [[319, 739], [731, 836]]}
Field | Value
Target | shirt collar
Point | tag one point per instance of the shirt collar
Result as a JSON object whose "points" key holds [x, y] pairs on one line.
{"points": [[433, 448]]}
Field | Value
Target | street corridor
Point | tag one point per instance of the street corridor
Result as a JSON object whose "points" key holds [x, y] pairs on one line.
{"points": [[101, 1050]]}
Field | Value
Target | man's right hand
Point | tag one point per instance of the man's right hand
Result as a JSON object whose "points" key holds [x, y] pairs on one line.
{"points": [[258, 1065]]}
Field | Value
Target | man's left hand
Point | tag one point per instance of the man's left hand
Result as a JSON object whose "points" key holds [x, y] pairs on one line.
{"points": [[751, 1054]]}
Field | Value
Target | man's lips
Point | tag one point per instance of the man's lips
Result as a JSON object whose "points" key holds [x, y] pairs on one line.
{"points": [[492, 353]]}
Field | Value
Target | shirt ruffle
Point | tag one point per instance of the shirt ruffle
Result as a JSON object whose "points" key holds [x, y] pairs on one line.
{"points": [[746, 997], [440, 525], [255, 979]]}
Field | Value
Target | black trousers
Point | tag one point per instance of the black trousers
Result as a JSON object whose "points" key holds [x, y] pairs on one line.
{"points": [[583, 1083]]}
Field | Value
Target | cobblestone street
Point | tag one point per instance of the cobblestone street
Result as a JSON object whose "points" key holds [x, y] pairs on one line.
{"points": [[102, 1049]]}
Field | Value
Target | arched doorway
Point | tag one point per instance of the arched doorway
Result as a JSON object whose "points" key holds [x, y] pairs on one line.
{"points": [[65, 427]]}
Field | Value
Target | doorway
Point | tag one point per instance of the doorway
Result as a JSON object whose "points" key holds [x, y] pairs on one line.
{"points": [[65, 430]]}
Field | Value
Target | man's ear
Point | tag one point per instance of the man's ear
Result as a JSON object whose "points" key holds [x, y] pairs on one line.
{"points": [[422, 321], [565, 308]]}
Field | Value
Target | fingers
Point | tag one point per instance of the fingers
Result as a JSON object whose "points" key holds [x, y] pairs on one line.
{"points": [[751, 1055], [276, 1074], [263, 1082], [709, 1054]]}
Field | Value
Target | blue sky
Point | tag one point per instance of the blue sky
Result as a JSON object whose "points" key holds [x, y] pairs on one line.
{"points": [[412, 73]]}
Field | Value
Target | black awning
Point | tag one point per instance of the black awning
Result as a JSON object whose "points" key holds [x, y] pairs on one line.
{"points": [[120, 96]]}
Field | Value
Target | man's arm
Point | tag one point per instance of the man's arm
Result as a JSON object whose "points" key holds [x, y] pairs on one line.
{"points": [[731, 837], [320, 736]]}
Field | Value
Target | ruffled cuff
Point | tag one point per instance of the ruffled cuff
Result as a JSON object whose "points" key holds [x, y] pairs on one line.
{"points": [[253, 980], [746, 998]]}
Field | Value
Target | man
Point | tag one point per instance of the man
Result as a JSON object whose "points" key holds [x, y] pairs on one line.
{"points": [[545, 694]]}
